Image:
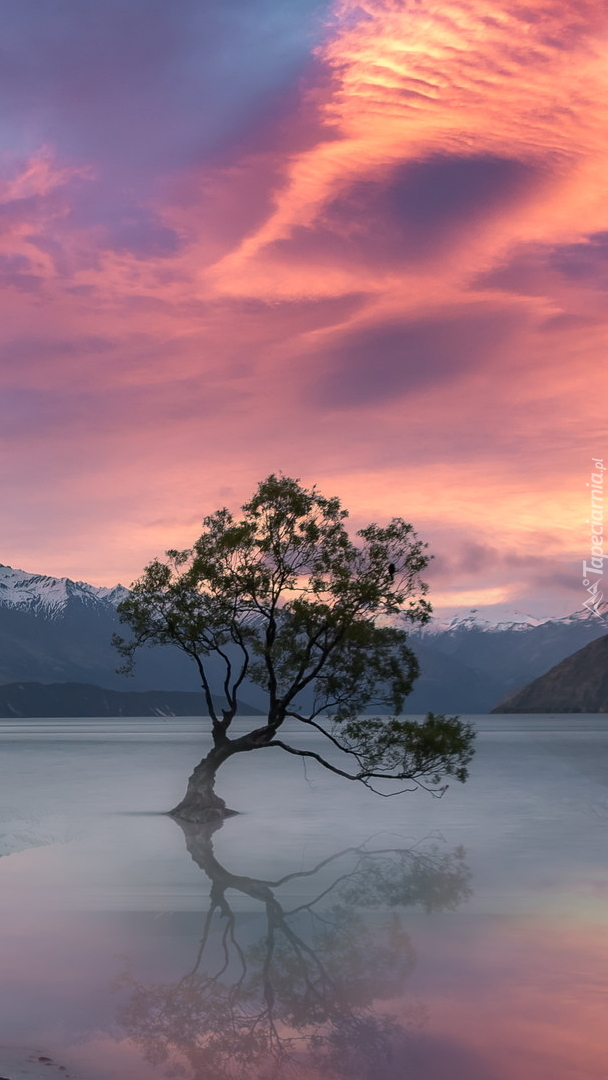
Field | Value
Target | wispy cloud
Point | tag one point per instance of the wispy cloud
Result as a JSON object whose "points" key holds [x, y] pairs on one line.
{"points": [[363, 243]]}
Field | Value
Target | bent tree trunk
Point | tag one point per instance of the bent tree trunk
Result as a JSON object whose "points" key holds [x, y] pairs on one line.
{"points": [[200, 804]]}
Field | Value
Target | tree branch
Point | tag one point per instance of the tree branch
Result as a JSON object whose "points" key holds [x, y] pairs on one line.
{"points": [[312, 723], [217, 727], [363, 777]]}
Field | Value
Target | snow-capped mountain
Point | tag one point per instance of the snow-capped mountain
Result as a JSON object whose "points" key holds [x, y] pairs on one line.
{"points": [[55, 630], [56, 656], [59, 630], [520, 623], [49, 596], [471, 620]]}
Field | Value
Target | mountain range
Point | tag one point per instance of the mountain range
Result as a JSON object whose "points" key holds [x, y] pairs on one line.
{"points": [[54, 630], [495, 659]]}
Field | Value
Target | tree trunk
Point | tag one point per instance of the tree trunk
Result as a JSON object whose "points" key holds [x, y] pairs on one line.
{"points": [[200, 804]]}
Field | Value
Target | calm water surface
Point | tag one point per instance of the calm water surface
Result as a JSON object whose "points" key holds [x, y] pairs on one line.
{"points": [[325, 932]]}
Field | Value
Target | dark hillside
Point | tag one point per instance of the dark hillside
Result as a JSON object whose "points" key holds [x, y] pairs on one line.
{"points": [[578, 684]]}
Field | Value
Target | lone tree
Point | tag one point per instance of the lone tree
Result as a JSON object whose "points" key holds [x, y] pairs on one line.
{"points": [[283, 598]]}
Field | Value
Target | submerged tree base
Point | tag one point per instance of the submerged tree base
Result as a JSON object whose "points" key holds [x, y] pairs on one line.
{"points": [[201, 805], [202, 815]]}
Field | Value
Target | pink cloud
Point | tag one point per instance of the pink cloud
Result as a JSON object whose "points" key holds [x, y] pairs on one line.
{"points": [[390, 283]]}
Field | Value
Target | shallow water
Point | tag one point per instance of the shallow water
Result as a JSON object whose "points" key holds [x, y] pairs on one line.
{"points": [[462, 938]]}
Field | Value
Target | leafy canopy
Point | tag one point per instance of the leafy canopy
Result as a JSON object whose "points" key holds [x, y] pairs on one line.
{"points": [[284, 598]]}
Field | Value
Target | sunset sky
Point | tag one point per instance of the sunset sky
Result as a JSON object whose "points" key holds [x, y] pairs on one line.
{"points": [[362, 243]]}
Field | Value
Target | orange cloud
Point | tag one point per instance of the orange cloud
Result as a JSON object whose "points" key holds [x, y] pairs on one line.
{"points": [[460, 78], [398, 288]]}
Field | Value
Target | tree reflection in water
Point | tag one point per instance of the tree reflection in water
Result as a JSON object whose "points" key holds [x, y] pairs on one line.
{"points": [[303, 1000]]}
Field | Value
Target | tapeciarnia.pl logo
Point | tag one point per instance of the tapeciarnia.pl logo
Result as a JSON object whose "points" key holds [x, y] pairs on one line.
{"points": [[593, 570]]}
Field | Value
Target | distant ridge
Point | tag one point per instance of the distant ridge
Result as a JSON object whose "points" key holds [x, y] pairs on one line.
{"points": [[31, 699], [578, 684]]}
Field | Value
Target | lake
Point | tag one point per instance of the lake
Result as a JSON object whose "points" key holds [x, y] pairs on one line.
{"points": [[324, 932]]}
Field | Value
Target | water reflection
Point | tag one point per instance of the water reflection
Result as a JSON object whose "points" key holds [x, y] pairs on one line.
{"points": [[313, 988]]}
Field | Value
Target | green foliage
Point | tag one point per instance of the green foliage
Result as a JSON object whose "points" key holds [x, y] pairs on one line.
{"points": [[285, 598], [407, 750]]}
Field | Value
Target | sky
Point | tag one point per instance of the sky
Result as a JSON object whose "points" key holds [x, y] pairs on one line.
{"points": [[361, 243]]}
